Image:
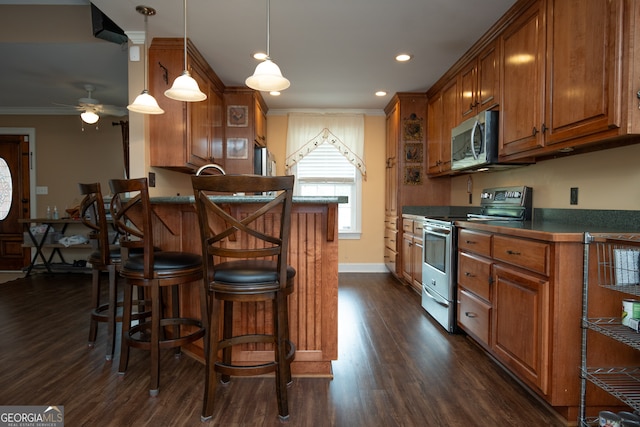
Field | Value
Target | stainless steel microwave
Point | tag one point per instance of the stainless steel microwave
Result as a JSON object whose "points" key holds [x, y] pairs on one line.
{"points": [[474, 143]]}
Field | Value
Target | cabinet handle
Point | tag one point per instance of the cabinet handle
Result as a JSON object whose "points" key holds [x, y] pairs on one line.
{"points": [[470, 242], [510, 252], [535, 131], [470, 314], [469, 274], [544, 128]]}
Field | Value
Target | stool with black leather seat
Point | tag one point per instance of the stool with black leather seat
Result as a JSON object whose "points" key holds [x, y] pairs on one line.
{"points": [[245, 249], [131, 212], [105, 258]]}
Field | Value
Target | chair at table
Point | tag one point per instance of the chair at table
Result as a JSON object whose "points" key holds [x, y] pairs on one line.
{"points": [[245, 249], [154, 270]]}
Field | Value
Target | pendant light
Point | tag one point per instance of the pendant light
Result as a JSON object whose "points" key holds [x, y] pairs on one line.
{"points": [[145, 103], [267, 77], [185, 88]]}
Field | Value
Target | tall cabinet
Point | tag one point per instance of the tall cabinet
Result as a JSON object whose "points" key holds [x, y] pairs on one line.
{"points": [[406, 182]]}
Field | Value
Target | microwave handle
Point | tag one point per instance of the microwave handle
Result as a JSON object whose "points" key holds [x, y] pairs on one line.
{"points": [[476, 126]]}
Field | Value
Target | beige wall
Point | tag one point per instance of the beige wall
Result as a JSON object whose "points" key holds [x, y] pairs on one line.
{"points": [[605, 179], [65, 155]]}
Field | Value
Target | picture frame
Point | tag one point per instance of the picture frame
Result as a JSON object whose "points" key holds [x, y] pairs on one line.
{"points": [[413, 175], [237, 148], [412, 128], [238, 116], [413, 152]]}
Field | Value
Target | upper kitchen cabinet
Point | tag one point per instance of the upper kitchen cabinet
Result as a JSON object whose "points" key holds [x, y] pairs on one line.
{"points": [[479, 83], [568, 76], [442, 116], [189, 134], [246, 127]]}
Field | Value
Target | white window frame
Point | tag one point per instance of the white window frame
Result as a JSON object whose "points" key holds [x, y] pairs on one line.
{"points": [[355, 199]]}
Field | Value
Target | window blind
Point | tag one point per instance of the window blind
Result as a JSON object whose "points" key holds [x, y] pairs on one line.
{"points": [[325, 164]]}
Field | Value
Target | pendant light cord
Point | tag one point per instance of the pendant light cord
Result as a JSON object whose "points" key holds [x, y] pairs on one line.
{"points": [[268, 25], [185, 35], [146, 51]]}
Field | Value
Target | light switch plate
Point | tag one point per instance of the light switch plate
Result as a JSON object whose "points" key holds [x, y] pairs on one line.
{"points": [[134, 53], [42, 190]]}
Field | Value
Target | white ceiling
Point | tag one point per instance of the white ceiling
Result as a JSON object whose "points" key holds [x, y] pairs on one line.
{"points": [[336, 53]]}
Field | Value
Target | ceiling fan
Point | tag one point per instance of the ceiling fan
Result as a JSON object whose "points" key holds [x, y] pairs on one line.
{"points": [[91, 109]]}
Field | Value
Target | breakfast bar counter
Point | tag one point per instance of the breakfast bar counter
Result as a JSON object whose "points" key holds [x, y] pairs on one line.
{"points": [[313, 252]]}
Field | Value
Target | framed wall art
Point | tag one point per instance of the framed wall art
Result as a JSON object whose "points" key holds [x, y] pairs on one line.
{"points": [[238, 116], [413, 175], [412, 128], [413, 152], [237, 148]]}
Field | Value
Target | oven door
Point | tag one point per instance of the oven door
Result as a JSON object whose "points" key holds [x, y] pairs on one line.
{"points": [[438, 257]]}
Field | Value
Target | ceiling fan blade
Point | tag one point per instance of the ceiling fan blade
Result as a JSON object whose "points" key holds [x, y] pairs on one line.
{"points": [[113, 110]]}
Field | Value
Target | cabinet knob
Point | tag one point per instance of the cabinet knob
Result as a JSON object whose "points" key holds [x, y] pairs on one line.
{"points": [[470, 314]]}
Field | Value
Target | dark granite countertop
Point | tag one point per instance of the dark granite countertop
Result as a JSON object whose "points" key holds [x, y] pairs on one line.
{"points": [[249, 199]]}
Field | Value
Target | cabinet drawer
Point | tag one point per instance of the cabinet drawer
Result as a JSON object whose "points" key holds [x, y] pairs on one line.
{"points": [[475, 241], [474, 274], [528, 254], [390, 237], [391, 222], [474, 315], [407, 226], [418, 226]]}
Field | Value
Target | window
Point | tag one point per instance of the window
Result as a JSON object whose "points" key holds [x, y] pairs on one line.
{"points": [[326, 172]]}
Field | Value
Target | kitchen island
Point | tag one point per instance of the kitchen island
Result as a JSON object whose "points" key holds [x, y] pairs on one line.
{"points": [[313, 252]]}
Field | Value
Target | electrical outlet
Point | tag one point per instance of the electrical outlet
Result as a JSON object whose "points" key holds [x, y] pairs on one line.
{"points": [[573, 198], [152, 179], [42, 190]]}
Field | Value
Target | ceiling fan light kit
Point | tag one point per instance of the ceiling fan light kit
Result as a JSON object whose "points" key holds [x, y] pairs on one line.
{"points": [[145, 103], [89, 117], [185, 88], [267, 77]]}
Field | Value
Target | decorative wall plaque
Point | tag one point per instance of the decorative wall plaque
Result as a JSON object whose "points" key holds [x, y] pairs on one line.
{"points": [[412, 128], [413, 175], [238, 116], [413, 152]]}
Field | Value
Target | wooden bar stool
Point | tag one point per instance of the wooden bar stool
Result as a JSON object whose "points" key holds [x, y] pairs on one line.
{"points": [[154, 270], [105, 258], [245, 261]]}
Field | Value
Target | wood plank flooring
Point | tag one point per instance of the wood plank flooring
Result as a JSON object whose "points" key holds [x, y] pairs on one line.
{"points": [[396, 367]]}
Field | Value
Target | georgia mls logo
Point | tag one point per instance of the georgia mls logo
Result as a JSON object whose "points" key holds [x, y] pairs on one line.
{"points": [[31, 416]]}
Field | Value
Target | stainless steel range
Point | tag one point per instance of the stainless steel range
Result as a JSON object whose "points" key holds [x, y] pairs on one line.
{"points": [[440, 248]]}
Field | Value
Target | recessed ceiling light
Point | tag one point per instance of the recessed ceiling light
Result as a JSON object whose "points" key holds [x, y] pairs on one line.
{"points": [[381, 93], [274, 93], [260, 56], [403, 57]]}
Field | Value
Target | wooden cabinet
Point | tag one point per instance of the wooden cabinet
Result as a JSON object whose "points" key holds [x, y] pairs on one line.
{"points": [[260, 120], [189, 134], [406, 182], [479, 83], [412, 244], [554, 95], [517, 293], [442, 117]]}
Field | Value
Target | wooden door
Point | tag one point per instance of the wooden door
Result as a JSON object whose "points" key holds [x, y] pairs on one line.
{"points": [[522, 106], [14, 200], [521, 325], [582, 81]]}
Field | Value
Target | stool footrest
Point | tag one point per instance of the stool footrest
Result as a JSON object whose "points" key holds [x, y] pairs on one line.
{"points": [[249, 370], [142, 340]]}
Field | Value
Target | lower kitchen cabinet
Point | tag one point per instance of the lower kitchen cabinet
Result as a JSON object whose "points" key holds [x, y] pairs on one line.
{"points": [[518, 293], [412, 244]]}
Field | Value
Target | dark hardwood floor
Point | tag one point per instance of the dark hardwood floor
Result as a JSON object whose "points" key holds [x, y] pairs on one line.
{"points": [[396, 367]]}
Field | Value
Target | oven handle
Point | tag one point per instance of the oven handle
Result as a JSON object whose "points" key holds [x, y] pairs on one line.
{"points": [[436, 231], [430, 295]]}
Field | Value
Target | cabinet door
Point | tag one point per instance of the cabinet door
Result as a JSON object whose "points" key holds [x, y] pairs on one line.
{"points": [[581, 69], [521, 324], [522, 106], [199, 135], [450, 119], [488, 90], [468, 82], [417, 263], [434, 134], [407, 258], [391, 170]]}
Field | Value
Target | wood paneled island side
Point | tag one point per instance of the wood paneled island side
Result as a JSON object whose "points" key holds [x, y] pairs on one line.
{"points": [[313, 306]]}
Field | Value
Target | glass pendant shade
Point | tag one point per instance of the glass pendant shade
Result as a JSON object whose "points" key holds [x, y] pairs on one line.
{"points": [[185, 88], [145, 104], [89, 117], [267, 77]]}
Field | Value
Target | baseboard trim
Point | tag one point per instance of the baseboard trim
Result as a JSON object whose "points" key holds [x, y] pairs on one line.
{"points": [[362, 268]]}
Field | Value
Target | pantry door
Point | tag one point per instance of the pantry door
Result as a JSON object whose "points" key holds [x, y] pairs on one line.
{"points": [[14, 200]]}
